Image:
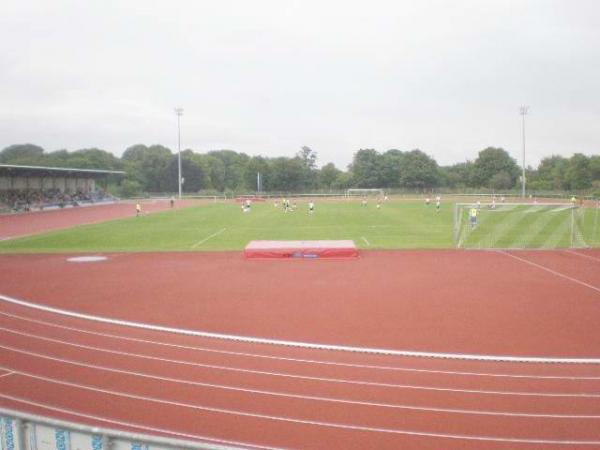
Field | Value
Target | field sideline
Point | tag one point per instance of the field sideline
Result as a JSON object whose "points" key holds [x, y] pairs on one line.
{"points": [[223, 226]]}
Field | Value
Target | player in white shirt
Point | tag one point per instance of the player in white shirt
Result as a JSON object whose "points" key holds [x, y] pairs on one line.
{"points": [[311, 207]]}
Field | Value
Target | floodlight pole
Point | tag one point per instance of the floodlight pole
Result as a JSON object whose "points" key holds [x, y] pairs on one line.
{"points": [[179, 112], [523, 111]]}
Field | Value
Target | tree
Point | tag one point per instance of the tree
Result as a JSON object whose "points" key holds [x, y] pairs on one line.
{"points": [[308, 157], [191, 173], [457, 176], [418, 170], [286, 174], [578, 174], [551, 173], [366, 169], [328, 175], [490, 162], [234, 164], [255, 165], [22, 154], [501, 180], [148, 165], [595, 167], [392, 161]]}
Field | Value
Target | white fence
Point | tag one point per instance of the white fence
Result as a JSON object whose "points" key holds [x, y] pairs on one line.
{"points": [[22, 431]]}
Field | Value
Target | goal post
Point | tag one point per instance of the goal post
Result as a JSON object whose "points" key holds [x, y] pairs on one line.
{"points": [[364, 193], [519, 225]]}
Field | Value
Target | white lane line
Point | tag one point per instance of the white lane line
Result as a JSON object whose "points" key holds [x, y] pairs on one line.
{"points": [[303, 421], [138, 426], [303, 377], [6, 374], [304, 345], [365, 239], [304, 397], [207, 238], [300, 360], [547, 269], [583, 255]]}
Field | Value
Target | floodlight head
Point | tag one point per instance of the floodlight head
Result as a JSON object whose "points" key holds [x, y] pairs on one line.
{"points": [[523, 110], [179, 111]]}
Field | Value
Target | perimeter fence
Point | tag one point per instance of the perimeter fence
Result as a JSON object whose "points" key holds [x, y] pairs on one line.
{"points": [[24, 431]]}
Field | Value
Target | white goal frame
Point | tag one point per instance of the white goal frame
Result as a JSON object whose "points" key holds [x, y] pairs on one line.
{"points": [[363, 192]]}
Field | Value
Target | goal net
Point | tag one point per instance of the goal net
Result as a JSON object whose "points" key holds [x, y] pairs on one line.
{"points": [[519, 225], [364, 193]]}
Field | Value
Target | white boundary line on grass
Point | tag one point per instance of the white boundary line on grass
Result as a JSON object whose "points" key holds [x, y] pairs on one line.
{"points": [[208, 237], [306, 345], [365, 239], [547, 269]]}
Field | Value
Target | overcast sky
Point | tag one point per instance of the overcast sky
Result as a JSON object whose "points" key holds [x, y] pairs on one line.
{"points": [[267, 77]]}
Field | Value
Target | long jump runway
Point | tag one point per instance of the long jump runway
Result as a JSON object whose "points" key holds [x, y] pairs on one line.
{"points": [[475, 310]]}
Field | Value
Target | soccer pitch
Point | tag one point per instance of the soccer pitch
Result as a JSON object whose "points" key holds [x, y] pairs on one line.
{"points": [[397, 224]]}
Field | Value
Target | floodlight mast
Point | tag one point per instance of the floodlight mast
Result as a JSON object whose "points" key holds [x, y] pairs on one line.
{"points": [[523, 111], [179, 112]]}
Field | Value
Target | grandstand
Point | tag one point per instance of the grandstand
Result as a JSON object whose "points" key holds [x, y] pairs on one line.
{"points": [[23, 188]]}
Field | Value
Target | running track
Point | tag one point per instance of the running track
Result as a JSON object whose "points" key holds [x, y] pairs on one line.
{"points": [[253, 395], [24, 224]]}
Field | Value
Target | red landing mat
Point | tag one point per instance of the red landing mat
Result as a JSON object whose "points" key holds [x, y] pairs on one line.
{"points": [[301, 249]]}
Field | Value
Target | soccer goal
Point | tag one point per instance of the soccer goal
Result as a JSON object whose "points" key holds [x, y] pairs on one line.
{"points": [[364, 193], [519, 225]]}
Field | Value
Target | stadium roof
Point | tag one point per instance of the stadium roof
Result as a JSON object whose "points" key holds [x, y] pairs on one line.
{"points": [[40, 170]]}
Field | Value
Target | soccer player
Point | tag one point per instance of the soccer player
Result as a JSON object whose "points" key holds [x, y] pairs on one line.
{"points": [[172, 201], [311, 207], [427, 201], [378, 204], [437, 204], [138, 209], [473, 217], [478, 205]]}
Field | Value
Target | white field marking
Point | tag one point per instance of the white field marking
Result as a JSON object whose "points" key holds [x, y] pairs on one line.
{"points": [[304, 421], [306, 345], [300, 360], [304, 377], [554, 272], [207, 238], [562, 208], [583, 255], [304, 397], [365, 239], [71, 412], [6, 374], [5, 238]]}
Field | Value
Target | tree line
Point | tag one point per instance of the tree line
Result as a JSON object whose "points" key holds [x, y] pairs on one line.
{"points": [[154, 168]]}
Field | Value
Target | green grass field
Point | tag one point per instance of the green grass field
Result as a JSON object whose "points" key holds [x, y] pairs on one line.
{"points": [[223, 226], [530, 226]]}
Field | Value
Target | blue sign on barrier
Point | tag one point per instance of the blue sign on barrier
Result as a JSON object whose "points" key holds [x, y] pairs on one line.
{"points": [[7, 435]]}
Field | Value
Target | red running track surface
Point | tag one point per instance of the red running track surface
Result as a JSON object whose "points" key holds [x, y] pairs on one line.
{"points": [[23, 224], [258, 395]]}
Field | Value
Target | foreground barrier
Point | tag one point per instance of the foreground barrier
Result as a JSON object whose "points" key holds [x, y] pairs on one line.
{"points": [[22, 431]]}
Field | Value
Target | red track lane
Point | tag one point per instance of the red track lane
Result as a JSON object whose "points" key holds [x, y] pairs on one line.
{"points": [[155, 342], [275, 396], [273, 432], [440, 301], [24, 224]]}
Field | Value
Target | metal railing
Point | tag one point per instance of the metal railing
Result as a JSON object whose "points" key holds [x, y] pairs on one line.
{"points": [[25, 431]]}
